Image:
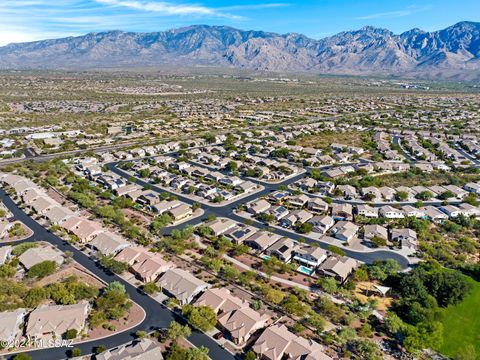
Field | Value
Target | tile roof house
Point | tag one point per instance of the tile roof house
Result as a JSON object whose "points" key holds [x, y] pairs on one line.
{"points": [[221, 300], [390, 212], [42, 204], [344, 230], [109, 243], [36, 255], [310, 256], [242, 323], [10, 325], [338, 267], [84, 229], [262, 240], [277, 343], [181, 212], [52, 321], [58, 214], [221, 226], [132, 255], [406, 237], [342, 211], [321, 224], [371, 231], [144, 349], [150, 269], [182, 285], [282, 249], [241, 233], [258, 206], [367, 211], [317, 205]]}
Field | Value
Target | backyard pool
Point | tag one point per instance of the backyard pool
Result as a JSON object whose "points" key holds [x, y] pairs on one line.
{"points": [[305, 270]]}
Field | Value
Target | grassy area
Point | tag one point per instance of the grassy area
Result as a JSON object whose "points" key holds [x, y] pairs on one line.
{"points": [[461, 323], [325, 139]]}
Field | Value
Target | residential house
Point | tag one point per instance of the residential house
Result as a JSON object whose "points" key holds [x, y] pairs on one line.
{"points": [[310, 256], [344, 230], [390, 212], [180, 212], [469, 210], [317, 205], [10, 326], [472, 187], [53, 321], [165, 206], [302, 216], [108, 243], [241, 233], [144, 349], [39, 254], [283, 249], [298, 200], [321, 224], [410, 211], [150, 269], [367, 211], [279, 212], [242, 323], [338, 267], [258, 206], [342, 211], [406, 237], [434, 214], [84, 229], [221, 226], [371, 231], [277, 343], [182, 285], [246, 187], [57, 215], [261, 240], [451, 211]]}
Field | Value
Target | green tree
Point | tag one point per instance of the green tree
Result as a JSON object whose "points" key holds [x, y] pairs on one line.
{"points": [[328, 284], [176, 330], [200, 317], [150, 288], [42, 269], [75, 352], [71, 334]]}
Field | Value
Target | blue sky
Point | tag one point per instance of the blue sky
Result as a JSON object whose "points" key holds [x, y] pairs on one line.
{"points": [[28, 20]]}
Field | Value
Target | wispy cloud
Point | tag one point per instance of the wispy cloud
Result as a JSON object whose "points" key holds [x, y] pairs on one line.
{"points": [[396, 13], [253, 6], [167, 8]]}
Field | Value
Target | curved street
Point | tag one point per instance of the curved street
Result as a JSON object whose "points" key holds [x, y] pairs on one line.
{"points": [[157, 316]]}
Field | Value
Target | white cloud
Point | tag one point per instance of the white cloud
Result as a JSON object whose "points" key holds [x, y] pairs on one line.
{"points": [[395, 14], [167, 8]]}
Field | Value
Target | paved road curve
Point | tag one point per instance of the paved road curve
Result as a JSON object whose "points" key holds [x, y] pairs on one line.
{"points": [[157, 316]]}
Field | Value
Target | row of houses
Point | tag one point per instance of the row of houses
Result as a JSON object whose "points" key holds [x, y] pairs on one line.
{"points": [[46, 322], [86, 231], [285, 249], [196, 180]]}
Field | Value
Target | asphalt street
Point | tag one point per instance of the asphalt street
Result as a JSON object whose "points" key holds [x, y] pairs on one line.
{"points": [[157, 316]]}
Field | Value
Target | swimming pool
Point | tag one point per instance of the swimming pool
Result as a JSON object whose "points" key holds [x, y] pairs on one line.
{"points": [[266, 257], [305, 270]]}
